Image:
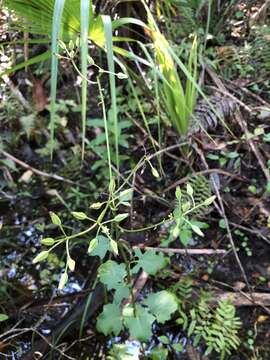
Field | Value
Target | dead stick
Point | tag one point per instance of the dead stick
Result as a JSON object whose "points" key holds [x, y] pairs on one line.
{"points": [[183, 251], [244, 299], [250, 142], [39, 172]]}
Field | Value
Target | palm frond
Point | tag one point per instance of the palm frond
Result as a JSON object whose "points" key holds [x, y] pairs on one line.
{"points": [[37, 18]]}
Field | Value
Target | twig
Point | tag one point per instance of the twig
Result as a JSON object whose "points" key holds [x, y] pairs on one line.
{"points": [[222, 212], [244, 299], [255, 150], [39, 172], [248, 92], [252, 231], [242, 293], [183, 251], [19, 332]]}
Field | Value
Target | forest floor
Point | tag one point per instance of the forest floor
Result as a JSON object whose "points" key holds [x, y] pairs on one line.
{"points": [[233, 257]]}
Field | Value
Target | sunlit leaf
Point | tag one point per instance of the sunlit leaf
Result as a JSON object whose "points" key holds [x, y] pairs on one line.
{"points": [[150, 262], [139, 326], [162, 305], [109, 321], [112, 274]]}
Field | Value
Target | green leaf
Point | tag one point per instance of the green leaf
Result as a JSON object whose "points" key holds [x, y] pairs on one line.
{"points": [[178, 193], [162, 305], [164, 339], [253, 189], [177, 347], [63, 281], [99, 246], [96, 206], [71, 264], [150, 262], [114, 246], [47, 241], [189, 190], [159, 353], [112, 274], [231, 155], [109, 321], [40, 257], [140, 327], [185, 236], [155, 173], [197, 230], [125, 195], [92, 245], [55, 218], [120, 217], [79, 215], [176, 232], [121, 293], [3, 317], [191, 327], [210, 200], [121, 76], [212, 157], [222, 224]]}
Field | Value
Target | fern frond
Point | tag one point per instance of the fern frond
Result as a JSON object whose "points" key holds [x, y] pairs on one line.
{"points": [[207, 115], [183, 290], [201, 192]]}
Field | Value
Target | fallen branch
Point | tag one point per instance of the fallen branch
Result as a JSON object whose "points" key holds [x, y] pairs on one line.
{"points": [[244, 299], [250, 142], [183, 251], [39, 172]]}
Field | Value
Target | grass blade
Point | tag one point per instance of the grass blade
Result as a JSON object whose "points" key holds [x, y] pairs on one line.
{"points": [[85, 12], [56, 27], [110, 58]]}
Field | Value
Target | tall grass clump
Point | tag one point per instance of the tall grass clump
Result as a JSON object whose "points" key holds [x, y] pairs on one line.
{"points": [[179, 96]]}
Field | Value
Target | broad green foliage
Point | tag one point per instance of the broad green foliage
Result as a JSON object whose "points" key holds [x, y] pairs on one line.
{"points": [[122, 292], [162, 304], [99, 246], [139, 325], [112, 274], [136, 318], [149, 261], [109, 321]]}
